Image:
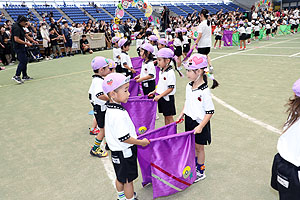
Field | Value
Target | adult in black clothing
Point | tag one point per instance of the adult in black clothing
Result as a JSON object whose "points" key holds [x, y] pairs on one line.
{"points": [[165, 18], [54, 25], [84, 45], [18, 36], [3, 35]]}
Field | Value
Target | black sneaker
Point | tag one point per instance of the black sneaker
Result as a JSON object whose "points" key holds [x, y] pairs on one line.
{"points": [[27, 78], [17, 79], [68, 55]]}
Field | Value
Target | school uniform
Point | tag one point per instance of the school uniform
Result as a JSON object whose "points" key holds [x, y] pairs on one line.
{"points": [[256, 30], [218, 33], [242, 33], [198, 103], [293, 23], [118, 128], [204, 43], [189, 35], [116, 54], [99, 105], [155, 52], [286, 165], [169, 37], [177, 47], [248, 32], [274, 27], [166, 104], [186, 44], [125, 60], [268, 27], [148, 68]]}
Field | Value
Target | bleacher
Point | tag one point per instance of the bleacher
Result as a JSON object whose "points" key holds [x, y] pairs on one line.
{"points": [[100, 15], [15, 10], [177, 10], [75, 13], [186, 8], [136, 13], [112, 8], [41, 9]]}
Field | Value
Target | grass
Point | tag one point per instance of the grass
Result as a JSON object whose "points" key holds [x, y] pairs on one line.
{"points": [[44, 144]]}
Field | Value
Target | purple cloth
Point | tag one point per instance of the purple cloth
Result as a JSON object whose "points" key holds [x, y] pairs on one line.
{"points": [[168, 162], [135, 88], [169, 45], [142, 112], [144, 153], [227, 38]]}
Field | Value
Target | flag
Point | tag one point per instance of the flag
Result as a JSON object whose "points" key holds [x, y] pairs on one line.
{"points": [[142, 112], [169, 45], [227, 38], [135, 88], [169, 159]]}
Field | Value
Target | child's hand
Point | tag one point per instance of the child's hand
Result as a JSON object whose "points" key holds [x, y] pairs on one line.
{"points": [[179, 119], [137, 77], [145, 142], [151, 94], [156, 98], [133, 71], [198, 129], [139, 80]]}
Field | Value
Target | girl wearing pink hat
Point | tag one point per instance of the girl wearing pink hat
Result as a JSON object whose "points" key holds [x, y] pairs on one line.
{"points": [[286, 165], [178, 42], [169, 35], [185, 42], [198, 108]]}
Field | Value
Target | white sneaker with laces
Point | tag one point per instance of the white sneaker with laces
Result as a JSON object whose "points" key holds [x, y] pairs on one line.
{"points": [[200, 176]]}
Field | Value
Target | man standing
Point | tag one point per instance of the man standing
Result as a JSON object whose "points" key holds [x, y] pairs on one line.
{"points": [[18, 38]]}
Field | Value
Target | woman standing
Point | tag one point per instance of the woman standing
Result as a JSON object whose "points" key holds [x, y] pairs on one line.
{"points": [[46, 41]]}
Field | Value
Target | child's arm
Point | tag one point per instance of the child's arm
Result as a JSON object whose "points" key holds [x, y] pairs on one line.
{"points": [[130, 69], [103, 97], [143, 78], [144, 142], [198, 129], [165, 93], [152, 93], [180, 115]]}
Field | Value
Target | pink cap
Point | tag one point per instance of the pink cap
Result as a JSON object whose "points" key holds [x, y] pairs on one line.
{"points": [[196, 61], [153, 38], [296, 88], [184, 30], [148, 47], [163, 41], [136, 34], [177, 30], [122, 42], [169, 30], [112, 64], [188, 26], [99, 62], [115, 39], [165, 53], [241, 22], [149, 29], [114, 81]]}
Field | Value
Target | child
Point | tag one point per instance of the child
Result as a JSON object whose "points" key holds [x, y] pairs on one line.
{"points": [[198, 108], [139, 41], [84, 45], [153, 41], [268, 27], [218, 34], [185, 43], [189, 33], [274, 27], [117, 54], [248, 32], [7, 50], [169, 34], [112, 65], [126, 64], [178, 46], [55, 47], [121, 135], [256, 30], [100, 66], [242, 35], [162, 43], [286, 164], [148, 72], [166, 87], [67, 38]]}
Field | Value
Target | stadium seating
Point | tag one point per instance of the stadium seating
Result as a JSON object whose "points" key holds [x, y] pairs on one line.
{"points": [[43, 9], [136, 13], [75, 14], [15, 10], [112, 8], [177, 10], [100, 15]]}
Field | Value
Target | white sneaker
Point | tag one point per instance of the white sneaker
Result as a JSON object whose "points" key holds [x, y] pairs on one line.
{"points": [[200, 176], [47, 58]]}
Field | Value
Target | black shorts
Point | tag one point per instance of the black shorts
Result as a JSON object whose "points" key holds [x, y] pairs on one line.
{"points": [[243, 36], [125, 168], [148, 86], [204, 50], [99, 115], [119, 69], [203, 138], [68, 43], [167, 108], [248, 36], [190, 40], [268, 31], [218, 37], [256, 33], [284, 172], [178, 51], [186, 48]]}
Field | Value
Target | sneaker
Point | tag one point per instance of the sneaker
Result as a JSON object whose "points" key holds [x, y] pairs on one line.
{"points": [[215, 47], [17, 79], [244, 48], [10, 64], [241, 49], [98, 153], [95, 131], [46, 58], [200, 176], [27, 78]]}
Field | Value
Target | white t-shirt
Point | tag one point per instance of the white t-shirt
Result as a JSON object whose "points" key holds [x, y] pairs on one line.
{"points": [[96, 90], [148, 69], [125, 59], [167, 79], [254, 15], [218, 31], [116, 53], [288, 144], [169, 37], [268, 26], [155, 51], [242, 30], [139, 42], [118, 127], [185, 40], [205, 40], [296, 13], [198, 102], [248, 30], [177, 42]]}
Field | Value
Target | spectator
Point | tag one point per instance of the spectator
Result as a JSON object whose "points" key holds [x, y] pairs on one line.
{"points": [[7, 51], [84, 45], [46, 41], [3, 35], [54, 25], [66, 33], [55, 47], [108, 37]]}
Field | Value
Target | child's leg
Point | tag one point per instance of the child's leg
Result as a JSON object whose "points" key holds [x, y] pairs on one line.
{"points": [[179, 61], [208, 60], [129, 190], [120, 190], [220, 43], [169, 119], [244, 41], [215, 43], [200, 154], [94, 126], [98, 139], [241, 44]]}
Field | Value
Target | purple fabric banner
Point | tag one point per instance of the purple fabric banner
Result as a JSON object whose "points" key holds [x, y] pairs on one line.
{"points": [[227, 38], [144, 153], [169, 45], [142, 113], [135, 88]]}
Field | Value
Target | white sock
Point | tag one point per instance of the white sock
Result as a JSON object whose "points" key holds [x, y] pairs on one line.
{"points": [[121, 195]]}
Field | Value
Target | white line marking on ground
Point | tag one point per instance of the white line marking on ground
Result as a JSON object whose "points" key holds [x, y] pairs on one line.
{"points": [[243, 115], [253, 54], [294, 54], [109, 170]]}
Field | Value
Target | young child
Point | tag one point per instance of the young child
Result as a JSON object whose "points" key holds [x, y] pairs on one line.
{"points": [[286, 164], [218, 34], [153, 41], [162, 43], [100, 66], [248, 32], [198, 108], [121, 135], [139, 41], [256, 30], [55, 47], [117, 54], [242, 35], [274, 27], [166, 87], [169, 35], [67, 38], [126, 64], [148, 72], [268, 27], [185, 42], [178, 46]]}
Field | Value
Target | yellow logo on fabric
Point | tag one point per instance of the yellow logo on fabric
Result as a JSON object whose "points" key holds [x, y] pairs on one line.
{"points": [[142, 130], [186, 172]]}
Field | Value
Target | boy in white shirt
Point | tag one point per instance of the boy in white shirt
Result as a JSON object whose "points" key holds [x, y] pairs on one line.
{"points": [[126, 64], [117, 53]]}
